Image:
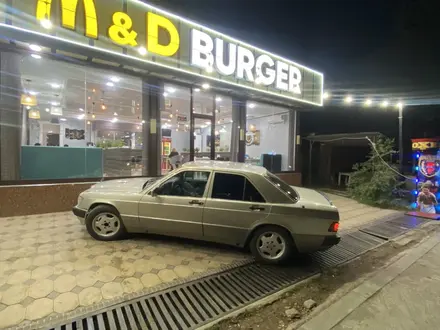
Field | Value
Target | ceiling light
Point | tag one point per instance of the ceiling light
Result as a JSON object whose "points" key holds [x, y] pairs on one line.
{"points": [[326, 95], [170, 89], [399, 105], [110, 84], [252, 105], [142, 51], [36, 56], [218, 99], [93, 116], [208, 123], [55, 103], [165, 94], [103, 107], [143, 121], [384, 104], [55, 85], [115, 114], [47, 24], [171, 115], [81, 109], [196, 89], [28, 107], [231, 121], [33, 93], [63, 119], [35, 48], [88, 123], [368, 102], [206, 86], [81, 116], [47, 110], [114, 120], [115, 79], [28, 99], [348, 99]]}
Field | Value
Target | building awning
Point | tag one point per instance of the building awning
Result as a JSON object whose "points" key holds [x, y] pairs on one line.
{"points": [[345, 139]]}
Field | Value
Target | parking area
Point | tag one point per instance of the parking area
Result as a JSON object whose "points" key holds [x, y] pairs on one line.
{"points": [[51, 268]]}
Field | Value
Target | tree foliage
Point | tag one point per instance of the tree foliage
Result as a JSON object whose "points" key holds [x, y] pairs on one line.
{"points": [[374, 180]]}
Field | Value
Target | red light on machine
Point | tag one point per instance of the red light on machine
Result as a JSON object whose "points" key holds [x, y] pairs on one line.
{"points": [[334, 227]]}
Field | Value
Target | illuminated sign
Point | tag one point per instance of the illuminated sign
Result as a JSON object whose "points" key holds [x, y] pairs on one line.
{"points": [[153, 36]]}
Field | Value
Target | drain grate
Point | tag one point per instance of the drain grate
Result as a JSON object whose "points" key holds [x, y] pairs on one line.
{"points": [[190, 305], [393, 227]]}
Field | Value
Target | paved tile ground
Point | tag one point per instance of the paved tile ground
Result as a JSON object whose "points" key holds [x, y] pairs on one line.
{"points": [[354, 214], [49, 266]]}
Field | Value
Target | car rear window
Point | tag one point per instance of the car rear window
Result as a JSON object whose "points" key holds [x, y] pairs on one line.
{"points": [[284, 187]]}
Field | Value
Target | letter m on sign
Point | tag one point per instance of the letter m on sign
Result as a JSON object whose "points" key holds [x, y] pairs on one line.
{"points": [[69, 9]]}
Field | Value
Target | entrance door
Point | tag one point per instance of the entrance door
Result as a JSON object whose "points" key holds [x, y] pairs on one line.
{"points": [[203, 133]]}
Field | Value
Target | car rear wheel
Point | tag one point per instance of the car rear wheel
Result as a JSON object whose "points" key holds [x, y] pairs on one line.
{"points": [[272, 245], [104, 223]]}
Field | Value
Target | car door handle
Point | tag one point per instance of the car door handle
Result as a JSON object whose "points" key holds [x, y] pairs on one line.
{"points": [[195, 202], [256, 208]]}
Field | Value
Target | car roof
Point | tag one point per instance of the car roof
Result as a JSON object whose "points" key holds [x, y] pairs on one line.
{"points": [[222, 165]]}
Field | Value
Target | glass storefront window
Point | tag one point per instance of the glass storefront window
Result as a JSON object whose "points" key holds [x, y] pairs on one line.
{"points": [[267, 136], [79, 122], [223, 127], [175, 120]]}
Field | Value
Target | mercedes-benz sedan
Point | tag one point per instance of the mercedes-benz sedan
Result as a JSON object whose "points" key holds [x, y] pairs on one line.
{"points": [[231, 203]]}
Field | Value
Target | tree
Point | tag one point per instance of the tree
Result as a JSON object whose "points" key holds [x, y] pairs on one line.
{"points": [[373, 181]]}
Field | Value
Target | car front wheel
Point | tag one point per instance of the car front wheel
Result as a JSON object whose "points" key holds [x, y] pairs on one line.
{"points": [[272, 245], [104, 223]]}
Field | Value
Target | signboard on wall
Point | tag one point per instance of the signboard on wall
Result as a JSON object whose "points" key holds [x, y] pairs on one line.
{"points": [[151, 35]]}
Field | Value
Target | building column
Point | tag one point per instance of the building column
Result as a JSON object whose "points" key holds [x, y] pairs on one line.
{"points": [[10, 116], [295, 147], [238, 130], [152, 103]]}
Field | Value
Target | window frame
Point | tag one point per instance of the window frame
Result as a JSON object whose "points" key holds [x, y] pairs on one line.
{"points": [[182, 172], [215, 172]]}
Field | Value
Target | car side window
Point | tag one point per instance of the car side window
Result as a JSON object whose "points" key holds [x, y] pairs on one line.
{"points": [[251, 193], [235, 187], [185, 184]]}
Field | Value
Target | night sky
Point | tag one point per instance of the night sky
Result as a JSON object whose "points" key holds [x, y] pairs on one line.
{"points": [[368, 48]]}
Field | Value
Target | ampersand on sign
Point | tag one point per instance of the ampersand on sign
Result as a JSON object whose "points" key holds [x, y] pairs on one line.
{"points": [[120, 32]]}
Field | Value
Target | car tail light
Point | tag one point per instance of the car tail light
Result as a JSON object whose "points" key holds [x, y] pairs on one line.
{"points": [[334, 227]]}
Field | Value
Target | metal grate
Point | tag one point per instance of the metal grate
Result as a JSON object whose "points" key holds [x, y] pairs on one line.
{"points": [[193, 304], [393, 227]]}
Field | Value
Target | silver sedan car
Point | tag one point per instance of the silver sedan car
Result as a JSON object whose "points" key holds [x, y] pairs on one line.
{"points": [[224, 202]]}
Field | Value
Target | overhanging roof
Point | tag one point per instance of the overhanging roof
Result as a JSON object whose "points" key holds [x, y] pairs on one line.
{"points": [[348, 139]]}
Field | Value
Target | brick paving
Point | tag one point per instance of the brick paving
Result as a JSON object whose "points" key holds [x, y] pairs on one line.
{"points": [[50, 266]]}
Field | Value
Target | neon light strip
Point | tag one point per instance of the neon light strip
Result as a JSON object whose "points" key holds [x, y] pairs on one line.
{"points": [[158, 64], [139, 2]]}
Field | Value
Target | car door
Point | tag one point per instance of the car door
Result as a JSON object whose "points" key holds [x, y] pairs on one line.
{"points": [[232, 206], [175, 207]]}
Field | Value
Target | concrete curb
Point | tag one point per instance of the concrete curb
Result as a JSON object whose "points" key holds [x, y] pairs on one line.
{"points": [[335, 313], [260, 303]]}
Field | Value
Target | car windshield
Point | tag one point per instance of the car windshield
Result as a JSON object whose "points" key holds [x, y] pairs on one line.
{"points": [[284, 187]]}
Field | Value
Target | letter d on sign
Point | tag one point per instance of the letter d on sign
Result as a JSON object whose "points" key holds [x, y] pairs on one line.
{"points": [[154, 23]]}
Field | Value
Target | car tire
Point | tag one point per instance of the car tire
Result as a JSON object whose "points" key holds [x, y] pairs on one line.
{"points": [[272, 245], [104, 223]]}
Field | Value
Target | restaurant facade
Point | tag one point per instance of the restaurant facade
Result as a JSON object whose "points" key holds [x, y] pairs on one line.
{"points": [[94, 89]]}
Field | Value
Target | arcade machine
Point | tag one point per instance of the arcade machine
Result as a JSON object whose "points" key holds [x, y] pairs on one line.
{"points": [[426, 165]]}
